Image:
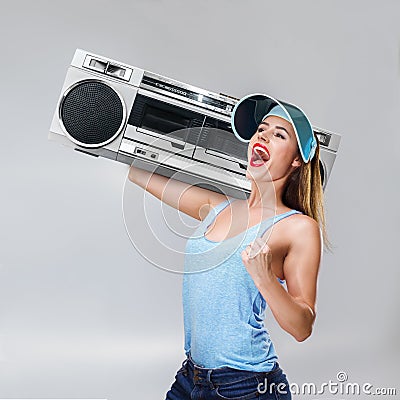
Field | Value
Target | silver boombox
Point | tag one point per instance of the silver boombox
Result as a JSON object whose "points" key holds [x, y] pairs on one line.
{"points": [[114, 110]]}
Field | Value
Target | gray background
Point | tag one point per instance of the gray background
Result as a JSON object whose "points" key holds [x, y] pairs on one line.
{"points": [[82, 314]]}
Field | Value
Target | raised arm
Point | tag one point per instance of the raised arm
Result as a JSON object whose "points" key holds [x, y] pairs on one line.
{"points": [[191, 200]]}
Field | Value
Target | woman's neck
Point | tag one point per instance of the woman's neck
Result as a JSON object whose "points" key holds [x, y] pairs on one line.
{"points": [[266, 195]]}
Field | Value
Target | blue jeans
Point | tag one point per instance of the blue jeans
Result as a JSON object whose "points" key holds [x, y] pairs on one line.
{"points": [[193, 382]]}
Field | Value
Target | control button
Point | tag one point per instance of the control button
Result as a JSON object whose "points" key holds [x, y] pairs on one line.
{"points": [[119, 72], [95, 64], [115, 70], [324, 138]]}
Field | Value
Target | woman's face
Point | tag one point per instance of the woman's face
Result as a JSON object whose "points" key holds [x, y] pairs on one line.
{"points": [[273, 151]]}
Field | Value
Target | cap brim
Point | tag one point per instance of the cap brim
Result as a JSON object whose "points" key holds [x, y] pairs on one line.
{"points": [[250, 110]]}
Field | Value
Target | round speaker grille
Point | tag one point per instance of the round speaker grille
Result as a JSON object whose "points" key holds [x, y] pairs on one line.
{"points": [[92, 113]]}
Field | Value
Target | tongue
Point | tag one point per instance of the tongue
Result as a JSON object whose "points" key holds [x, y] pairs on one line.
{"points": [[255, 157]]}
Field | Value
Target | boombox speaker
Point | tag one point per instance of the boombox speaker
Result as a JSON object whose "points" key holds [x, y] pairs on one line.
{"points": [[92, 113]]}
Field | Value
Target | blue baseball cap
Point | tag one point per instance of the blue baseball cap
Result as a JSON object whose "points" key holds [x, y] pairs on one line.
{"points": [[252, 109]]}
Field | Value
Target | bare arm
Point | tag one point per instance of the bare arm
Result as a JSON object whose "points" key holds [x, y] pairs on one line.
{"points": [[189, 199], [294, 310]]}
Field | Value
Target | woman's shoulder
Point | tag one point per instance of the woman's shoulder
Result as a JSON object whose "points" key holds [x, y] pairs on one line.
{"points": [[301, 225], [297, 223], [300, 220], [296, 232]]}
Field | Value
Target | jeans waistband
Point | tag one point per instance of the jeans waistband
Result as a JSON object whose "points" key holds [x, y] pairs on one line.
{"points": [[223, 375]]}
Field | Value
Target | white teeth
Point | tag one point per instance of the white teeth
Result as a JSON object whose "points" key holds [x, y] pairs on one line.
{"points": [[258, 148]]}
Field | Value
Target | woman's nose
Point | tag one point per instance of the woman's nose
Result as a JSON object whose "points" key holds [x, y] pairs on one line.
{"points": [[263, 136]]}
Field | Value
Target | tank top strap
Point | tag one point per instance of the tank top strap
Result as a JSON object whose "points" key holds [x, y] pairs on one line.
{"points": [[276, 218], [214, 212]]}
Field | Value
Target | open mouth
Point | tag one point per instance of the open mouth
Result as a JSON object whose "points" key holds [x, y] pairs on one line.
{"points": [[259, 155]]}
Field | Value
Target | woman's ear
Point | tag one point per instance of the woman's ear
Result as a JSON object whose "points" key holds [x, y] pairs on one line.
{"points": [[297, 161]]}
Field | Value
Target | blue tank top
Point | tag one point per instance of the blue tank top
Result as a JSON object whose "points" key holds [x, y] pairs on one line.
{"points": [[223, 309]]}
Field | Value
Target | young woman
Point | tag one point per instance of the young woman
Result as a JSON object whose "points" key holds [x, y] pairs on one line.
{"points": [[233, 274]]}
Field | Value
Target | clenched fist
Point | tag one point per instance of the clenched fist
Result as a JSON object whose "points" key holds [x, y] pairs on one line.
{"points": [[257, 258]]}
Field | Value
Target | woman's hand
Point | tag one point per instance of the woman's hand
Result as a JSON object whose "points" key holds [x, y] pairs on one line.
{"points": [[257, 258]]}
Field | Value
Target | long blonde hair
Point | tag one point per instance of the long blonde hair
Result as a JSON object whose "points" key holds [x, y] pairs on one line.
{"points": [[303, 192]]}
